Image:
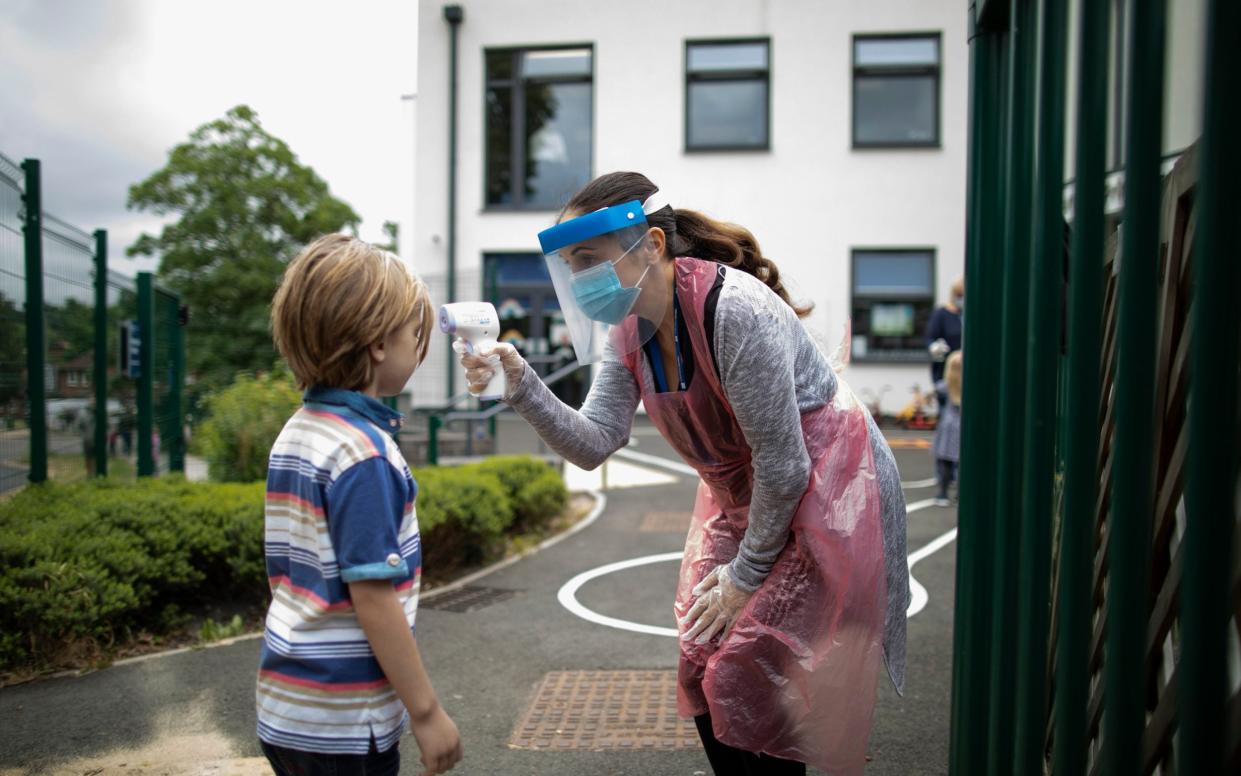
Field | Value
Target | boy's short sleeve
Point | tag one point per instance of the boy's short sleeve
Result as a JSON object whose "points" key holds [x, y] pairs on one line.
{"points": [[365, 507]]}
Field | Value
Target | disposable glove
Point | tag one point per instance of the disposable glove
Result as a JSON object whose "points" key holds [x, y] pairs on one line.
{"points": [[481, 367], [718, 604], [939, 350]]}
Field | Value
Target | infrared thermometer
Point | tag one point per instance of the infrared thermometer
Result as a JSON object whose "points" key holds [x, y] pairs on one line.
{"points": [[478, 325]]}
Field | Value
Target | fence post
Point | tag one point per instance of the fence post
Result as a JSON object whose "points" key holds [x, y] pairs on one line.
{"points": [[967, 753], [1014, 256], [176, 445], [101, 352], [146, 383], [1129, 545], [1042, 349], [36, 353], [433, 439], [1085, 338], [1212, 470]]}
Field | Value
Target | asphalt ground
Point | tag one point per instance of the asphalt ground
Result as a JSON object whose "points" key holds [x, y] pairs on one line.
{"points": [[485, 664]]}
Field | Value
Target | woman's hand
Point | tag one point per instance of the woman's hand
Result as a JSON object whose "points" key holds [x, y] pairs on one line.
{"points": [[717, 607], [481, 367]]}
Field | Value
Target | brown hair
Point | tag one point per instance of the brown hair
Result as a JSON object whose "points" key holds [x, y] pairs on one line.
{"points": [[338, 297], [953, 374], [689, 232]]}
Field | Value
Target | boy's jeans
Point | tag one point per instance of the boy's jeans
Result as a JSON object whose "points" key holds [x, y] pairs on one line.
{"points": [[291, 762]]}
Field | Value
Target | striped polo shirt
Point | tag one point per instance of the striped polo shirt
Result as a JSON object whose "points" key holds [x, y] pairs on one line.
{"points": [[340, 508]]}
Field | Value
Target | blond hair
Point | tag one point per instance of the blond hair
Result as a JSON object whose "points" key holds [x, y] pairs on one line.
{"points": [[953, 369], [338, 297]]}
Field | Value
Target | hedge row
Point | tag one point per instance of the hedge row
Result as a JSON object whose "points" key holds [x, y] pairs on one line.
{"points": [[87, 566]]}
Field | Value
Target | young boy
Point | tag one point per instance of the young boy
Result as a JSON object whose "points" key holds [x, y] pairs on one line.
{"points": [[340, 669]]}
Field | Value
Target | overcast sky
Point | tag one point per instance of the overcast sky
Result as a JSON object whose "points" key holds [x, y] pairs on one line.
{"points": [[101, 90]]}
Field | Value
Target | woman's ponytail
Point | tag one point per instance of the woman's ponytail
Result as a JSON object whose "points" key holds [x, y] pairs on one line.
{"points": [[689, 232]]}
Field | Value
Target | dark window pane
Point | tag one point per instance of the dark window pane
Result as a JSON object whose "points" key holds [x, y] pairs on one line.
{"points": [[499, 65], [499, 146], [558, 126], [707, 58], [894, 109], [897, 52], [728, 113], [563, 62], [892, 273]]}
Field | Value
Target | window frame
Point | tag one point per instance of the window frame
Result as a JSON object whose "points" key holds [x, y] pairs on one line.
{"points": [[898, 356], [517, 150], [866, 71], [750, 74]]}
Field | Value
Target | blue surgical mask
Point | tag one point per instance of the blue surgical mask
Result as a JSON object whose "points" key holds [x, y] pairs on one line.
{"points": [[601, 296]]}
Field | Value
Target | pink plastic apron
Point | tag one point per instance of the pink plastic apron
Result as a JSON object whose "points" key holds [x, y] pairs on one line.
{"points": [[796, 676]]}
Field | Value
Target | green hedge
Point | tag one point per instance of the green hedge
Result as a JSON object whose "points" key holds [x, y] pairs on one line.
{"points": [[88, 565]]}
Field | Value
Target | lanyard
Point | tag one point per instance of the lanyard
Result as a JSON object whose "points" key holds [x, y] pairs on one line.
{"points": [[676, 338]]}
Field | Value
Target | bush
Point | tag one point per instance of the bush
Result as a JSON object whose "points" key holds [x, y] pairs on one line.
{"points": [[536, 490], [462, 516], [242, 423], [85, 565]]}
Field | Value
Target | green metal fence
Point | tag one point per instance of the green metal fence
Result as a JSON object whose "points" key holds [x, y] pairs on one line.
{"points": [[67, 409], [1091, 479]]}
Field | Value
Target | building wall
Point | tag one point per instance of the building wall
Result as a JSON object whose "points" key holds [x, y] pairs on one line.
{"points": [[809, 200]]}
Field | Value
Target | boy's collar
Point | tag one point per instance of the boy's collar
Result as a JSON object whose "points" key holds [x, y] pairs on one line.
{"points": [[370, 408]]}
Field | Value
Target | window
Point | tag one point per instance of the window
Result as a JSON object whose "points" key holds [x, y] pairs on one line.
{"points": [[727, 95], [893, 297], [895, 91], [538, 124]]}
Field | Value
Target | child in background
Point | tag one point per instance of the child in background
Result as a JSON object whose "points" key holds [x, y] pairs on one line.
{"points": [[947, 444], [340, 671]]}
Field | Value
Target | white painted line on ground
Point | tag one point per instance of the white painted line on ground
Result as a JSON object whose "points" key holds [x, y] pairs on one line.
{"points": [[656, 460], [917, 484], [568, 595], [917, 593], [918, 506]]}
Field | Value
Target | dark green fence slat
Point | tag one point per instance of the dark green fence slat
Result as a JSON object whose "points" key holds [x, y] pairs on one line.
{"points": [[1015, 256], [176, 422], [1128, 592], [146, 384], [983, 278], [36, 350], [1085, 341], [1214, 428], [101, 353], [1042, 350]]}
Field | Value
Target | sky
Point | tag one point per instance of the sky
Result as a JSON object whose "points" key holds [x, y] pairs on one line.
{"points": [[102, 90]]}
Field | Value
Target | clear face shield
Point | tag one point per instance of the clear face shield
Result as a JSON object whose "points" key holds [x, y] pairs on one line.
{"points": [[609, 279]]}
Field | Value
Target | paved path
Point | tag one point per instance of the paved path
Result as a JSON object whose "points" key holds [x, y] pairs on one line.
{"points": [[193, 712]]}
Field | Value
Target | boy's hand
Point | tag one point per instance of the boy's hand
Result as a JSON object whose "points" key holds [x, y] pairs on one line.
{"points": [[438, 741]]}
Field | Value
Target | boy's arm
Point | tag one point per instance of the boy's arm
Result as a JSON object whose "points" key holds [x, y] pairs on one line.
{"points": [[380, 614], [382, 619]]}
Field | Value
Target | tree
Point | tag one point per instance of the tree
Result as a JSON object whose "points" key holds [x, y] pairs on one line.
{"points": [[391, 230], [245, 206]]}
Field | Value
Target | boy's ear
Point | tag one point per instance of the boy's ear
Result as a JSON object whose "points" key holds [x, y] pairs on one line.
{"points": [[378, 352]]}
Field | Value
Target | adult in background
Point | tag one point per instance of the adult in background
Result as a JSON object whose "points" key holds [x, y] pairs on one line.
{"points": [[943, 336]]}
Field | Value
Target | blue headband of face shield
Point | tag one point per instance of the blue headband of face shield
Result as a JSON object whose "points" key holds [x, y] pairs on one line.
{"points": [[598, 291]]}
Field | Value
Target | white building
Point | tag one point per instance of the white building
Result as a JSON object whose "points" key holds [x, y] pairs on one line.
{"points": [[834, 131]]}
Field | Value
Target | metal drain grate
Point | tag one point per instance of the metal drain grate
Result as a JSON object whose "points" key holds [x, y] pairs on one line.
{"points": [[605, 710], [469, 598], [665, 522]]}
